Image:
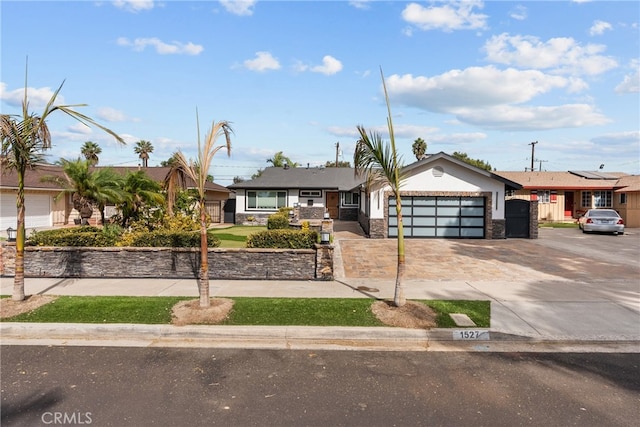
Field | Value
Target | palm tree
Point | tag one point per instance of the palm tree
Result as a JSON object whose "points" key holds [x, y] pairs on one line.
{"points": [[381, 165], [175, 180], [90, 150], [143, 149], [198, 171], [279, 160], [419, 148], [89, 187], [141, 192], [24, 138]]}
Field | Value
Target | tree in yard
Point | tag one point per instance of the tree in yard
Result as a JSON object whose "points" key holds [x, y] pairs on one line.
{"points": [[279, 160], [24, 139], [141, 195], [381, 165], [90, 150], [143, 149], [419, 148], [89, 187], [475, 162], [341, 164], [198, 171]]}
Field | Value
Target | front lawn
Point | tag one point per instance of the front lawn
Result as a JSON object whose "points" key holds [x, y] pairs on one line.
{"points": [[236, 235], [246, 311]]}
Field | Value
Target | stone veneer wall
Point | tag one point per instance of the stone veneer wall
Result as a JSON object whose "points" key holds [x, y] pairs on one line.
{"points": [[533, 219], [248, 264]]}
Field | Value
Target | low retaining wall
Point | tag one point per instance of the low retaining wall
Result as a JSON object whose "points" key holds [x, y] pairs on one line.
{"points": [[245, 264]]}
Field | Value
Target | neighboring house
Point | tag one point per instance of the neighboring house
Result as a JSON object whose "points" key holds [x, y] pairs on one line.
{"points": [[311, 191], [565, 196], [44, 209], [441, 197]]}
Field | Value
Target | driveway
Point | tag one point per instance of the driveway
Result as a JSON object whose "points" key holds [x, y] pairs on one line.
{"points": [[558, 254]]}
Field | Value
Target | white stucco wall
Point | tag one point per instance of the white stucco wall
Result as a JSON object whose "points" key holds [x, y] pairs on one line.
{"points": [[454, 179]]}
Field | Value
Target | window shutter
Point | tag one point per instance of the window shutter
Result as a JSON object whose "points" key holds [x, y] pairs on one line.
{"points": [[554, 197], [534, 195]]}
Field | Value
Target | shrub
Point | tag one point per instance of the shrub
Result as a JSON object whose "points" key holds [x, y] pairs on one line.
{"points": [[277, 221], [167, 238], [88, 236], [283, 239]]}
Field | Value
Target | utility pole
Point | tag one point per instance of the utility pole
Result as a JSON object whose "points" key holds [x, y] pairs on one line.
{"points": [[533, 147], [540, 168], [337, 152]]}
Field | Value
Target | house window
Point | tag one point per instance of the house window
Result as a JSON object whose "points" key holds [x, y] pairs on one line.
{"points": [[350, 199], [602, 199], [310, 193], [623, 198], [544, 196], [586, 199], [272, 200]]}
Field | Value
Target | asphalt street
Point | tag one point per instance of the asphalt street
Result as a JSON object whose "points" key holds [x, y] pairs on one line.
{"points": [[239, 387]]}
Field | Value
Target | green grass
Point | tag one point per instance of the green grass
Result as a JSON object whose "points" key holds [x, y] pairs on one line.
{"points": [[558, 225], [246, 311], [236, 236]]}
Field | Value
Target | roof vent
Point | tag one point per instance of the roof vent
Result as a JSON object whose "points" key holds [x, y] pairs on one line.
{"points": [[437, 171]]}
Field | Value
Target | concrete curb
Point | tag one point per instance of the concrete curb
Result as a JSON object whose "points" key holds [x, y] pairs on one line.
{"points": [[292, 338]]}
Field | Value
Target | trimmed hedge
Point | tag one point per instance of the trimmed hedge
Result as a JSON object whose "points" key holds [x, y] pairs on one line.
{"points": [[277, 221], [87, 236], [169, 239], [283, 239]]}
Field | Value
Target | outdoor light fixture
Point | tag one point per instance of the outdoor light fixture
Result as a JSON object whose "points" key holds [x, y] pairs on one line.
{"points": [[325, 236], [12, 234], [326, 215]]}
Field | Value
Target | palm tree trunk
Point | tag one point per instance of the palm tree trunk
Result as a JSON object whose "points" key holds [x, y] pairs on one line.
{"points": [[399, 299], [203, 282], [18, 281]]}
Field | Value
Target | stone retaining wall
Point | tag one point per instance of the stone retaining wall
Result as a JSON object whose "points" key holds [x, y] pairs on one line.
{"points": [[245, 264]]}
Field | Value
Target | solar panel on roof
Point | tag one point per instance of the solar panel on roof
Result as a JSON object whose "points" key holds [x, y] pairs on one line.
{"points": [[593, 175]]}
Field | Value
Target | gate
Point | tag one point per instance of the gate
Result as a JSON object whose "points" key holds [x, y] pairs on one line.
{"points": [[517, 215]]}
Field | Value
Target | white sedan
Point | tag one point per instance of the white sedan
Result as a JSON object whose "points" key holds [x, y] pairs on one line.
{"points": [[601, 220]]}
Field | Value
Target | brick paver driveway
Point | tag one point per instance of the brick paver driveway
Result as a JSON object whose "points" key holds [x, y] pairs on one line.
{"points": [[466, 259]]}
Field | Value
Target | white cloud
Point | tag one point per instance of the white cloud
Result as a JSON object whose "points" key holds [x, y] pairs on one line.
{"points": [[493, 98], [599, 27], [239, 7], [517, 118], [110, 115], [263, 61], [79, 128], [134, 5], [559, 55], [330, 66], [173, 48], [360, 4], [37, 97], [631, 82], [475, 87], [519, 13], [453, 15]]}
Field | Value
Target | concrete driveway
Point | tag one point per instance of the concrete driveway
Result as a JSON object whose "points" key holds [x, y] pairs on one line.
{"points": [[558, 254]]}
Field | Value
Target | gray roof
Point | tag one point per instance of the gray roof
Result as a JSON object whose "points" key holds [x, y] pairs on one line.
{"points": [[339, 179]]}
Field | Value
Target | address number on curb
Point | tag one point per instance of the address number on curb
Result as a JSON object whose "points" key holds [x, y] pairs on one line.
{"points": [[469, 334]]}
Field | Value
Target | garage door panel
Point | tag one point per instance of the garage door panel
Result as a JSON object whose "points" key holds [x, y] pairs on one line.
{"points": [[444, 217], [37, 211]]}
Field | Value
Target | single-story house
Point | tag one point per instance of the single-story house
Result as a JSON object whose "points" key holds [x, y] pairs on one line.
{"points": [[565, 196], [312, 191], [441, 197], [43, 210]]}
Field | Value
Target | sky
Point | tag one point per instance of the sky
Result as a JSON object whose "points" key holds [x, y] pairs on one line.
{"points": [[486, 78]]}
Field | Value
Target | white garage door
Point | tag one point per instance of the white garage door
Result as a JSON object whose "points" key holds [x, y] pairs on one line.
{"points": [[37, 212], [443, 217]]}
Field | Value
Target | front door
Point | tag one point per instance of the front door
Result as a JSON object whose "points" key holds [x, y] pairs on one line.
{"points": [[333, 204], [568, 204]]}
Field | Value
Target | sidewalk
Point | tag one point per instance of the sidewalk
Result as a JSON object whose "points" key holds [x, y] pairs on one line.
{"points": [[571, 316]]}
